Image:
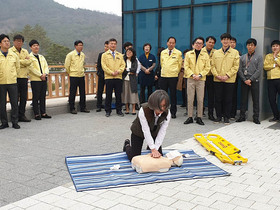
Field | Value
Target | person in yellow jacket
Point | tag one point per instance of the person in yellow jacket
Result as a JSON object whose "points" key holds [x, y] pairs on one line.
{"points": [[225, 64], [209, 83], [113, 65], [272, 67], [171, 62], [9, 67], [39, 71], [197, 66], [22, 77], [74, 65]]}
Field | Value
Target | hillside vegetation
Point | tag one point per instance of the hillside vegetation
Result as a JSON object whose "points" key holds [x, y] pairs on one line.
{"points": [[62, 25]]}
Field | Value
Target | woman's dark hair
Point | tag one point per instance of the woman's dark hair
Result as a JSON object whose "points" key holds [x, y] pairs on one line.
{"points": [[156, 98], [160, 49], [147, 44], [133, 58]]}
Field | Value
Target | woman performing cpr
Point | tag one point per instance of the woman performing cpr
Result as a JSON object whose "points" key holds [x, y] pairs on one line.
{"points": [[151, 124]]}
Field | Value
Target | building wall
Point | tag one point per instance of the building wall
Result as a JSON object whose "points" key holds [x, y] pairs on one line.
{"points": [[265, 28], [154, 21]]}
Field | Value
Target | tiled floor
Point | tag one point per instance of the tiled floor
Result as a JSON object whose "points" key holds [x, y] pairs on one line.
{"points": [[255, 185]]}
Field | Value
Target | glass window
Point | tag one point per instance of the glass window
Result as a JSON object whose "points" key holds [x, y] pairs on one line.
{"points": [[176, 22], [146, 4], [168, 3], [208, 1], [127, 5], [128, 28], [241, 24], [210, 21], [146, 31]]}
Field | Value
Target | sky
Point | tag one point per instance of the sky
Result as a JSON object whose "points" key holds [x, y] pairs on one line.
{"points": [[108, 6]]}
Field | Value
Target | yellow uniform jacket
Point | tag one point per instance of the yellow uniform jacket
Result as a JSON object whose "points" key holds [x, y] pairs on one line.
{"points": [[210, 56], [9, 68], [74, 64], [225, 64], [111, 64], [170, 65], [201, 66], [273, 71], [35, 72], [24, 63]]}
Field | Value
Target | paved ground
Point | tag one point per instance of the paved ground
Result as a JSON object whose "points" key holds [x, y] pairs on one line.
{"points": [[33, 174]]}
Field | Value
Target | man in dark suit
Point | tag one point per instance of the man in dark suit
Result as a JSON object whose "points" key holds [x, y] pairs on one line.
{"points": [[101, 80]]}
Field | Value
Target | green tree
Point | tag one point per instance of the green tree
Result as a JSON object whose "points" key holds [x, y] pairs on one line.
{"points": [[54, 53]]}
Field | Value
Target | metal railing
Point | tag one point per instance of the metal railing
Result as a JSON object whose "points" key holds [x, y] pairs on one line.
{"points": [[59, 82]]}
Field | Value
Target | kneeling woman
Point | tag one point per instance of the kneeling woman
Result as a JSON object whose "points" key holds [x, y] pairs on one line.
{"points": [[151, 124]]}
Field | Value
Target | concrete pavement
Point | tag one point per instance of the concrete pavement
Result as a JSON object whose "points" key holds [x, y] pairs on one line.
{"points": [[33, 174]]}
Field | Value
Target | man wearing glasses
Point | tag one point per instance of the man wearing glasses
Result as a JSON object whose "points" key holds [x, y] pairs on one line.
{"points": [[197, 66]]}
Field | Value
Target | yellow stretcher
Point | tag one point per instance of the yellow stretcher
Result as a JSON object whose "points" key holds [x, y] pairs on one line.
{"points": [[226, 152]]}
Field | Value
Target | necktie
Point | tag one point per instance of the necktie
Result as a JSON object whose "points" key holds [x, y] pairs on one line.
{"points": [[170, 51], [113, 53]]}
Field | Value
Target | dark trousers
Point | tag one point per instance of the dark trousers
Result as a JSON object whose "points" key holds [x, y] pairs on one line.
{"points": [[39, 89], [254, 88], [209, 85], [11, 89], [100, 90], [171, 84], [234, 99], [273, 86], [76, 82], [223, 98], [136, 147], [142, 93], [116, 85], [22, 84]]}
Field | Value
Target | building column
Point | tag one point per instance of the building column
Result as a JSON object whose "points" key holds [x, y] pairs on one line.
{"points": [[265, 29]]}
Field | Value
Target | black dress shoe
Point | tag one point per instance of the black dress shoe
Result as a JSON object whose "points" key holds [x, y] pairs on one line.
{"points": [[199, 121], [218, 120], [4, 126], [85, 110], [38, 117], [173, 116], [256, 121], [274, 119], [226, 121], [46, 116], [98, 110], [189, 120], [211, 117], [73, 111], [107, 114], [119, 113], [126, 143], [16, 126], [24, 119], [240, 119]]}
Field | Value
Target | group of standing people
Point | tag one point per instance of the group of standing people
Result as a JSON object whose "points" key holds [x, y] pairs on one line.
{"points": [[16, 65], [206, 71]]}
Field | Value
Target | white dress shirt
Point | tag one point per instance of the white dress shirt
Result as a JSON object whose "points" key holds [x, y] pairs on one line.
{"points": [[146, 129]]}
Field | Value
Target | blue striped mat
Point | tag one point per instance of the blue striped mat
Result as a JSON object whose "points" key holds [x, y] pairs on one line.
{"points": [[93, 172]]}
